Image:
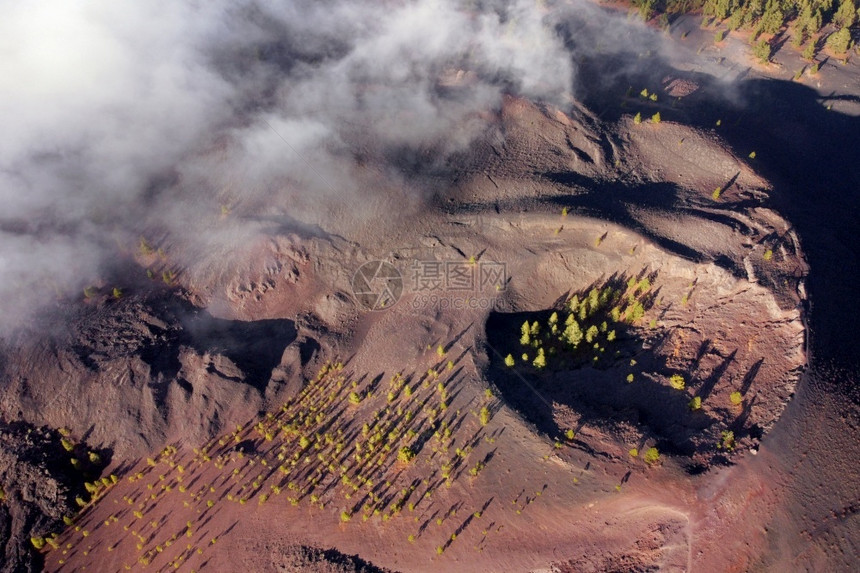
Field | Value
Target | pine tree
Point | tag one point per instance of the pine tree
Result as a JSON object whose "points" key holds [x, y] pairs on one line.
{"points": [[540, 360], [737, 19], [646, 8], [809, 51], [846, 15], [525, 339], [762, 51], [717, 8], [773, 17], [840, 41], [573, 334]]}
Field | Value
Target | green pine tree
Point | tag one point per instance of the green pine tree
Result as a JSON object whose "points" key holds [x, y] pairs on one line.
{"points": [[573, 334], [840, 41], [540, 360], [846, 15]]}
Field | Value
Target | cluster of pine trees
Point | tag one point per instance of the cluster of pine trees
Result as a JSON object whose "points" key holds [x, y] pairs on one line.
{"points": [[808, 17]]}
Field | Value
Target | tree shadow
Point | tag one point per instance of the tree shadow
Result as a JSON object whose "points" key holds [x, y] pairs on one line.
{"points": [[591, 378], [806, 149]]}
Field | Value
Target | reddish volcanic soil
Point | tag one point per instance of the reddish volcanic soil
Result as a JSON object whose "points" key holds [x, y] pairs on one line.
{"points": [[250, 413], [310, 474]]}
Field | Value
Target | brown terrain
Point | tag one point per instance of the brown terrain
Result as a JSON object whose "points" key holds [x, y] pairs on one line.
{"points": [[250, 413]]}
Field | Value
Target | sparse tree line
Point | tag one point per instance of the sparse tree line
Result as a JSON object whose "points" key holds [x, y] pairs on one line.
{"points": [[313, 450], [808, 18]]}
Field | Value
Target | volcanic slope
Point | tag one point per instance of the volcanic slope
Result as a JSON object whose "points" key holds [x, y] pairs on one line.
{"points": [[402, 435]]}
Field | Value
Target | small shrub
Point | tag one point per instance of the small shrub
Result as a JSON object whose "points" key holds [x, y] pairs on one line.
{"points": [[484, 416], [655, 118], [476, 469], [736, 398], [637, 119], [405, 454], [651, 456], [509, 361], [676, 381], [696, 403]]}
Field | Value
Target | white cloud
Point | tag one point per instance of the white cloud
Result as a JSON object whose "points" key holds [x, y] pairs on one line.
{"points": [[101, 98]]}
